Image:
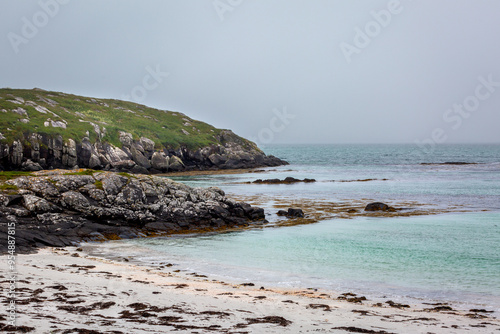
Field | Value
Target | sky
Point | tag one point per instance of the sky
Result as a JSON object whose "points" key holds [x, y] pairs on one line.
{"points": [[274, 71]]}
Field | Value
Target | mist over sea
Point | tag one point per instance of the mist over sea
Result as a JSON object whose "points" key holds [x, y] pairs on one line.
{"points": [[445, 257]]}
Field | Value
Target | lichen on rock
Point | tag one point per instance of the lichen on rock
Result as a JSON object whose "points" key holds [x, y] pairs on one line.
{"points": [[69, 207]]}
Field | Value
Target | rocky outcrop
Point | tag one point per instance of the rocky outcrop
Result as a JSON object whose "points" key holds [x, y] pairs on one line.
{"points": [[59, 209], [40, 151]]}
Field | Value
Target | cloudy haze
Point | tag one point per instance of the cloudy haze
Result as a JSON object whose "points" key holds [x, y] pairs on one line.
{"points": [[280, 71]]}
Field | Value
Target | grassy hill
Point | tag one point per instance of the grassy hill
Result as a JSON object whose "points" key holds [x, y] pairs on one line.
{"points": [[53, 113]]}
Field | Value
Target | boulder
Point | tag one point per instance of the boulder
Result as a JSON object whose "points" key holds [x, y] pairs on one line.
{"points": [[159, 161], [175, 164], [138, 157], [126, 139], [291, 213], [148, 144], [31, 166], [378, 206], [114, 154]]}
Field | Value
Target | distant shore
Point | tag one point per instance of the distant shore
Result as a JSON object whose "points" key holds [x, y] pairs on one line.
{"points": [[67, 290]]}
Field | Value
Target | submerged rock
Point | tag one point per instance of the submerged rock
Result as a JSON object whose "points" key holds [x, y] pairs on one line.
{"points": [[378, 206], [295, 213], [287, 180]]}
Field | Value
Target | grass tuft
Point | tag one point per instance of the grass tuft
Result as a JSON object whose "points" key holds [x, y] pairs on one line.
{"points": [[83, 172], [9, 175], [98, 185]]}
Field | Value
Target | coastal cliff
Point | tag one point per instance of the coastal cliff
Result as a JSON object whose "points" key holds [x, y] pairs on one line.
{"points": [[46, 130], [57, 208]]}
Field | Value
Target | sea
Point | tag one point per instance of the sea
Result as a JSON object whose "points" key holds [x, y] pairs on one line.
{"points": [[450, 257]]}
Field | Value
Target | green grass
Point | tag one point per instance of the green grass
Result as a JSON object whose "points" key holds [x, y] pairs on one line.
{"points": [[5, 176], [83, 172], [98, 185], [9, 188], [165, 128], [127, 175]]}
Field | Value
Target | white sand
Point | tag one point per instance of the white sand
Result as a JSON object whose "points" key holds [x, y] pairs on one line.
{"points": [[182, 303]]}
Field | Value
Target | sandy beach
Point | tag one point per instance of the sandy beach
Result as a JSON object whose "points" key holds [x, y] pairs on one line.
{"points": [[69, 291]]}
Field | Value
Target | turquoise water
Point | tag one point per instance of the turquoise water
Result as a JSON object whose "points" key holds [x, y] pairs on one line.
{"points": [[447, 257]]}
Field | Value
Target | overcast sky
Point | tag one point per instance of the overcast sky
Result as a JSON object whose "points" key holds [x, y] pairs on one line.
{"points": [[278, 71]]}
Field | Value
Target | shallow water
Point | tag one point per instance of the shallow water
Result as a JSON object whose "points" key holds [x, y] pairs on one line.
{"points": [[448, 257]]}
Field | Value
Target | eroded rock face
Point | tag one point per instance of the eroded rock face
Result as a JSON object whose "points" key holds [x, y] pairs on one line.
{"points": [[16, 155], [135, 156], [54, 209], [69, 156]]}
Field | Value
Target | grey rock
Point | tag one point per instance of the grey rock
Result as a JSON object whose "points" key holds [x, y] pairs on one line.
{"points": [[378, 206], [217, 159], [291, 213], [34, 139], [148, 144], [175, 163], [139, 157], [36, 204], [69, 155], [131, 194], [126, 138], [74, 200], [97, 195], [159, 161], [56, 146], [16, 156], [123, 165], [114, 154], [20, 111], [31, 166], [57, 209], [112, 183], [72, 182]]}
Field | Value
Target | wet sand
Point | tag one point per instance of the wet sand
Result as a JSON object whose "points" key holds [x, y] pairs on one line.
{"points": [[69, 291]]}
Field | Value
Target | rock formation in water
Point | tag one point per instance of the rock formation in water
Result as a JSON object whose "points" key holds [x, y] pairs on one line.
{"points": [[57, 208]]}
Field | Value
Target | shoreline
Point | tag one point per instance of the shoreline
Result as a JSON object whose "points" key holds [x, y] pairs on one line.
{"points": [[67, 289], [144, 256]]}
